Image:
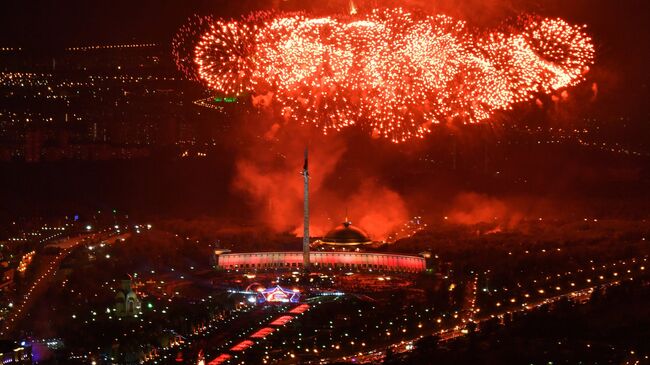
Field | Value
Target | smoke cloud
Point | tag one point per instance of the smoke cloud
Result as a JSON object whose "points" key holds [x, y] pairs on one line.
{"points": [[267, 173], [473, 208]]}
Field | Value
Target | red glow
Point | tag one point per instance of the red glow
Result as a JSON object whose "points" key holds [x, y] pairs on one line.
{"points": [[359, 260], [220, 359], [277, 193], [392, 71], [299, 309], [242, 345], [281, 321], [263, 332]]}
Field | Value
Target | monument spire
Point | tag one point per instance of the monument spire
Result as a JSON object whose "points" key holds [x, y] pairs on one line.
{"points": [[305, 236]]}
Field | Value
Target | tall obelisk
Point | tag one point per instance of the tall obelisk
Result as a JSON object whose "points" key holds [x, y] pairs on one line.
{"points": [[305, 236]]}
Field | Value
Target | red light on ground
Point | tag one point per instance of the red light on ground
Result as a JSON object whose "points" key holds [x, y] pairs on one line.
{"points": [[220, 359], [299, 309], [242, 345], [262, 333], [281, 321]]}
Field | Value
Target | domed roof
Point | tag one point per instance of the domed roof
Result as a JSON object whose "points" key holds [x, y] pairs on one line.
{"points": [[346, 234]]}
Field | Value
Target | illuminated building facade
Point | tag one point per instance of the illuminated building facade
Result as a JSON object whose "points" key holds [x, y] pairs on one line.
{"points": [[322, 260]]}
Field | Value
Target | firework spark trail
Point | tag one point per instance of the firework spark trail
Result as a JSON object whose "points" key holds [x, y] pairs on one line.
{"points": [[389, 71], [185, 41]]}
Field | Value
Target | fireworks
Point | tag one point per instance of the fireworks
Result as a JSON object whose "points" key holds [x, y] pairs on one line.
{"points": [[222, 57], [185, 41], [389, 71]]}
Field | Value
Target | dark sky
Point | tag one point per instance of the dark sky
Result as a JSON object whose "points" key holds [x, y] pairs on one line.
{"points": [[74, 22]]}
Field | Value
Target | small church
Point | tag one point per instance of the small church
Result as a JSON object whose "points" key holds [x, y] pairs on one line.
{"points": [[127, 303]]}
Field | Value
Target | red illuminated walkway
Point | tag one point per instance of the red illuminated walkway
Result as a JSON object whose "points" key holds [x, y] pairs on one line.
{"points": [[267, 330]]}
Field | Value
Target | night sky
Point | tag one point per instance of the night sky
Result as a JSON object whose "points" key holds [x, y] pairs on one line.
{"points": [[619, 30]]}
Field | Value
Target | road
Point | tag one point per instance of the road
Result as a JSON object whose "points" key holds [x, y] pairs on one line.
{"points": [[450, 333], [46, 272]]}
